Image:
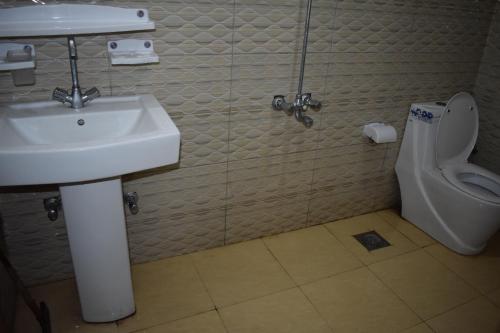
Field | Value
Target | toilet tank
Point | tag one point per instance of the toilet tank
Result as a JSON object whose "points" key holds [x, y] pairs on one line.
{"points": [[418, 147]]}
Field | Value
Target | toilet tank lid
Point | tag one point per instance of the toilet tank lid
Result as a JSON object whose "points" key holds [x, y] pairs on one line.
{"points": [[457, 130]]}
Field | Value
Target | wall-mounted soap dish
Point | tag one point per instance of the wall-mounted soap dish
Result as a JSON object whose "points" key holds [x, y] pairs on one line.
{"points": [[132, 52], [19, 59], [15, 56]]}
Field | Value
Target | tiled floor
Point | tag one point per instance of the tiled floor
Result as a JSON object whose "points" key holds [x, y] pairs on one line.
{"points": [[317, 279]]}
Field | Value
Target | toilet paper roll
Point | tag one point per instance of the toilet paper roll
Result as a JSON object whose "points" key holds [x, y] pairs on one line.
{"points": [[380, 133]]}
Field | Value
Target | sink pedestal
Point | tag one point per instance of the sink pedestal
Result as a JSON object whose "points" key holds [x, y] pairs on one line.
{"points": [[95, 223]]}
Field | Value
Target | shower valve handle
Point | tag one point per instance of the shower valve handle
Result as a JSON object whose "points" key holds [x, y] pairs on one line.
{"points": [[308, 101]]}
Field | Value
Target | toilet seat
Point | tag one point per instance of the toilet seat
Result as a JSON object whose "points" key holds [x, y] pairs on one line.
{"points": [[457, 130], [456, 137], [474, 180]]}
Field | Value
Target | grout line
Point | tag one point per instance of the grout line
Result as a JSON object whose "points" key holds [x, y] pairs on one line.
{"points": [[395, 294], [222, 320], [315, 309], [228, 149], [200, 277], [208, 293], [279, 262], [451, 270], [321, 114], [163, 323], [455, 307], [249, 299]]}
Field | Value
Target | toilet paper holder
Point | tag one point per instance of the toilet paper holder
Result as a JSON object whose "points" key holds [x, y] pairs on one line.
{"points": [[380, 133]]}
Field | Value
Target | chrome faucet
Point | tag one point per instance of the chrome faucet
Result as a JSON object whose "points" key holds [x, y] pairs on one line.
{"points": [[300, 105], [75, 98]]}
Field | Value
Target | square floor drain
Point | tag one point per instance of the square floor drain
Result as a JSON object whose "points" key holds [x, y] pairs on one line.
{"points": [[371, 240]]}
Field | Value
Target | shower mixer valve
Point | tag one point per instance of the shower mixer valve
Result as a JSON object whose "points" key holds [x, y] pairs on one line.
{"points": [[300, 105]]}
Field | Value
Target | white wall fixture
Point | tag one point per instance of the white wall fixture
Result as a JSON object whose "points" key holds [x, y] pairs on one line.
{"points": [[14, 56], [19, 59], [132, 52], [380, 132], [57, 20]]}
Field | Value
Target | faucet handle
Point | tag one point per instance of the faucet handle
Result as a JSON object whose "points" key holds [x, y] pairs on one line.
{"points": [[90, 94], [314, 104], [61, 95], [308, 101]]}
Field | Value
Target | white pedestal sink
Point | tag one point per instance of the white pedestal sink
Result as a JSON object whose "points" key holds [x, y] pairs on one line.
{"points": [[86, 152]]}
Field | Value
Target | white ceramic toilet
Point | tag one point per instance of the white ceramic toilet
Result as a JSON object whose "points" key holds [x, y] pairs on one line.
{"points": [[454, 201]]}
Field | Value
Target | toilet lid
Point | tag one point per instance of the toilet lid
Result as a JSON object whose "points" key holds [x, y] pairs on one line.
{"points": [[457, 130]]}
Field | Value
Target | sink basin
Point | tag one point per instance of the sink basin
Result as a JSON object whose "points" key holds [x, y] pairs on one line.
{"points": [[48, 142]]}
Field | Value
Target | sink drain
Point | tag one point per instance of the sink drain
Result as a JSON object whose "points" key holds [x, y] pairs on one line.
{"points": [[80, 122]]}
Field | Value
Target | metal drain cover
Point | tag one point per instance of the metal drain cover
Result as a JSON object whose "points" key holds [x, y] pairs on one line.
{"points": [[371, 240]]}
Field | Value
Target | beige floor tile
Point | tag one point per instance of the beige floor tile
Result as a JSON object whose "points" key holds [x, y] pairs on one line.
{"points": [[426, 285], [284, 312], [478, 315], [345, 229], [416, 235], [482, 271], [240, 272], [208, 322], [311, 254], [356, 301], [420, 328], [65, 314], [166, 290], [494, 296]]}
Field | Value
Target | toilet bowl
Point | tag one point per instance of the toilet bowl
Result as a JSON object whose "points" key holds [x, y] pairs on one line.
{"points": [[454, 201]]}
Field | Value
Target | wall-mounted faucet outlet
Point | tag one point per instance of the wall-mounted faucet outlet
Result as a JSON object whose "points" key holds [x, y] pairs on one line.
{"points": [[76, 99], [300, 105], [131, 199], [52, 206]]}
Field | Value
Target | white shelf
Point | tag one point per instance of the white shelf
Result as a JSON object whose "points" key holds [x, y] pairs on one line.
{"points": [[57, 20], [6, 65]]}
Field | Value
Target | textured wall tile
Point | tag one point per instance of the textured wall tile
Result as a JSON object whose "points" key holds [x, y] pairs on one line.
{"points": [[258, 138], [341, 202], [262, 219], [488, 97], [278, 28], [263, 179], [348, 164], [158, 238], [370, 31]]}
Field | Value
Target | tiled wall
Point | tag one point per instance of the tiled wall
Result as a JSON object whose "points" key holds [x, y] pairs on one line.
{"points": [[246, 170], [487, 91]]}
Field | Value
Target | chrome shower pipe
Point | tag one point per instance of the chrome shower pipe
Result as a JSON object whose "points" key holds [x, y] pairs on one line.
{"points": [[302, 101], [304, 47]]}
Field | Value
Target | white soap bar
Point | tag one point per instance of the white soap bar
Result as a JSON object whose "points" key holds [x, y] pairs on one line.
{"points": [[380, 133]]}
